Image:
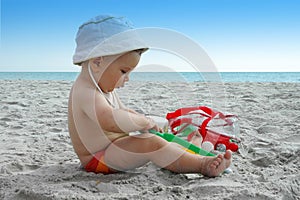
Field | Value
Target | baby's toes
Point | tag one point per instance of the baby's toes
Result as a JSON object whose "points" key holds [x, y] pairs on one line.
{"points": [[227, 155], [219, 160], [220, 156], [215, 164]]}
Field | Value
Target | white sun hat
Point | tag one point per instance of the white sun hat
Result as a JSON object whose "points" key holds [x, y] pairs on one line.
{"points": [[106, 35]]}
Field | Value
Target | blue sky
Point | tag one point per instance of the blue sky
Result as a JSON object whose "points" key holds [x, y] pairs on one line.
{"points": [[238, 35]]}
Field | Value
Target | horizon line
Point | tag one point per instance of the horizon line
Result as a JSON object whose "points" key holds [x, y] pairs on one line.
{"points": [[157, 72]]}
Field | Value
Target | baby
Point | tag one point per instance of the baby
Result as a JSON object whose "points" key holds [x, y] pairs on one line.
{"points": [[108, 49]]}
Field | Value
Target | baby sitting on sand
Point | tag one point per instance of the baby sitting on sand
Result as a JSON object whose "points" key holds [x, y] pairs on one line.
{"points": [[108, 49]]}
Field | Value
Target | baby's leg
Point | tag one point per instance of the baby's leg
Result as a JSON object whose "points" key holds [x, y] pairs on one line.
{"points": [[135, 151]]}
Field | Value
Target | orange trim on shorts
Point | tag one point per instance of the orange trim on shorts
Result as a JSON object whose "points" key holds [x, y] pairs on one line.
{"points": [[97, 164]]}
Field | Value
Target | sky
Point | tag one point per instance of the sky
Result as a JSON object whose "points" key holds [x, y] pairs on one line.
{"points": [[237, 35]]}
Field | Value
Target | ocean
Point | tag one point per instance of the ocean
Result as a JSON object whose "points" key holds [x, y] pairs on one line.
{"points": [[290, 77]]}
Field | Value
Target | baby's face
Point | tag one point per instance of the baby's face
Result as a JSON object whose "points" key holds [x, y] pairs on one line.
{"points": [[117, 73]]}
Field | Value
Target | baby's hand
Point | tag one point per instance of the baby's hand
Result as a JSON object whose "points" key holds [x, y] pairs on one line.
{"points": [[152, 125]]}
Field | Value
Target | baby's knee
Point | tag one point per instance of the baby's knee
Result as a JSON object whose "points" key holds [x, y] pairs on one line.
{"points": [[157, 142], [153, 142]]}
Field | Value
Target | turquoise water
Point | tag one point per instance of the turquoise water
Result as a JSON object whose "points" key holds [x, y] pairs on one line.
{"points": [[167, 76]]}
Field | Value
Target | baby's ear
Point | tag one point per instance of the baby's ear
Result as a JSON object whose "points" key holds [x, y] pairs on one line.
{"points": [[97, 61]]}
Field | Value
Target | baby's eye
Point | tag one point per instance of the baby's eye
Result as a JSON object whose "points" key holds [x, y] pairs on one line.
{"points": [[123, 71]]}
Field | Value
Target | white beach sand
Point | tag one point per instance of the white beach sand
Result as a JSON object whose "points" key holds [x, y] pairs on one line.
{"points": [[37, 159]]}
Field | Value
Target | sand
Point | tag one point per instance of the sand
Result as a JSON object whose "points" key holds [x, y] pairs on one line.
{"points": [[37, 159]]}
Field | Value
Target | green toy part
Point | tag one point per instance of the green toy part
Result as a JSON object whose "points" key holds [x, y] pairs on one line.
{"points": [[172, 138]]}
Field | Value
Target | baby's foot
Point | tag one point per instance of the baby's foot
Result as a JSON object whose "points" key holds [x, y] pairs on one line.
{"points": [[214, 166]]}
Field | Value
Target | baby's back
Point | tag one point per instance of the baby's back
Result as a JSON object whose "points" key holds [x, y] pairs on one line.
{"points": [[86, 134]]}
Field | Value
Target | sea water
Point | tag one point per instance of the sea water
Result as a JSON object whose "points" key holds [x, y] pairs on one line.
{"points": [[167, 76]]}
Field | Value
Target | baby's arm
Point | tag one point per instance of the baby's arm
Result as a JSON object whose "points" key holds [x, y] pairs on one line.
{"points": [[117, 120], [131, 111], [122, 106]]}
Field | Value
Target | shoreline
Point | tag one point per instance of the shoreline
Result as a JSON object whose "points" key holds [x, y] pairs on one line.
{"points": [[190, 77]]}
